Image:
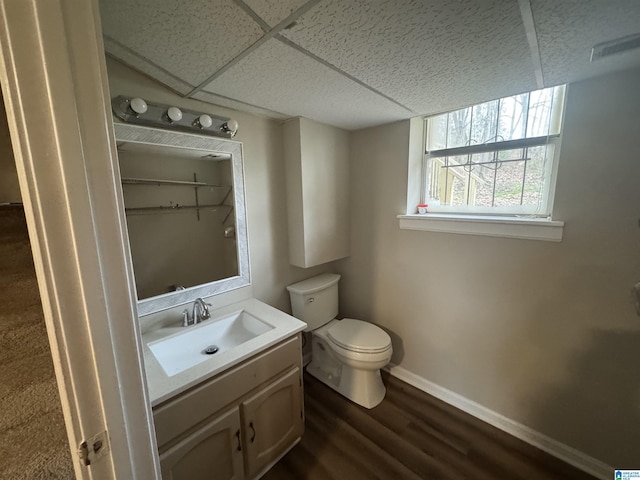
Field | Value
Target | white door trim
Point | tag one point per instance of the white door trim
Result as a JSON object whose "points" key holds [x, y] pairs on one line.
{"points": [[53, 76]]}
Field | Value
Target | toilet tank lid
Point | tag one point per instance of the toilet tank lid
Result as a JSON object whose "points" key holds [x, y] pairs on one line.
{"points": [[314, 284]]}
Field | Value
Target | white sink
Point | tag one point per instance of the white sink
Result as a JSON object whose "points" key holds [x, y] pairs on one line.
{"points": [[184, 350]]}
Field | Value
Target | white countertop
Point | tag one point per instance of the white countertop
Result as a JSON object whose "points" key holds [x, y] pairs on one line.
{"points": [[162, 387]]}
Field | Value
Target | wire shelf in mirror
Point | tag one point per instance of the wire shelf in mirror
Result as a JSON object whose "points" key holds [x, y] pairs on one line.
{"points": [[155, 181]]}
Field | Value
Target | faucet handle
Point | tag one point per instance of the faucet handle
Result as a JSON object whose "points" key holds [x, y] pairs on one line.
{"points": [[185, 318], [206, 314]]}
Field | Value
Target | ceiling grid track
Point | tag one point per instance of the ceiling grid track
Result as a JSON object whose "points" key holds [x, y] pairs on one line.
{"points": [[532, 37], [302, 50], [266, 111], [256, 18], [267, 36]]}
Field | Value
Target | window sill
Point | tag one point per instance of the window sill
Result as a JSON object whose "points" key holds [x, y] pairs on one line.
{"points": [[509, 227]]}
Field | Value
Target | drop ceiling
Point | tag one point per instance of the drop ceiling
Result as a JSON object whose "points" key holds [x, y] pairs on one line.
{"points": [[359, 63]]}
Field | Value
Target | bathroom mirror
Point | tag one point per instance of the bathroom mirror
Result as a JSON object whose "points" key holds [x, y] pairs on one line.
{"points": [[185, 210]]}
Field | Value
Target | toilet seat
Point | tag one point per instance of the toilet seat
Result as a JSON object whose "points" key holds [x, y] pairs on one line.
{"points": [[358, 336]]}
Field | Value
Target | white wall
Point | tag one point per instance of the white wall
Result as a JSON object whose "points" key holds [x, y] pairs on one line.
{"points": [[264, 180], [543, 333]]}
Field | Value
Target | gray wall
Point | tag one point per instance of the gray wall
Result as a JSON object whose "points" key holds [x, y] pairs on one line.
{"points": [[264, 180], [542, 333]]}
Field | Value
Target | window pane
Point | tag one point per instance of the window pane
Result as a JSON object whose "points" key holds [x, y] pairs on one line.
{"points": [[485, 122], [509, 178], [484, 181], [539, 112], [512, 117], [515, 154], [437, 132], [457, 192], [459, 178], [459, 128], [534, 179], [435, 180], [556, 110], [449, 179], [483, 157]]}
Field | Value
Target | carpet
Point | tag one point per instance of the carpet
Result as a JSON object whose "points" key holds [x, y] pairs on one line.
{"points": [[33, 440]]}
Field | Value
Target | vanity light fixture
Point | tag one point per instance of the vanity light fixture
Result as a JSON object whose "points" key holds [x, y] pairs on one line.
{"points": [[137, 110]]}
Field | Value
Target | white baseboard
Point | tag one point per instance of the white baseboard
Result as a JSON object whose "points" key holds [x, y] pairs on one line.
{"points": [[553, 447]]}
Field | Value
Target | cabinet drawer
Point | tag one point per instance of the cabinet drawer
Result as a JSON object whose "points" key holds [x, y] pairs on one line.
{"points": [[176, 416]]}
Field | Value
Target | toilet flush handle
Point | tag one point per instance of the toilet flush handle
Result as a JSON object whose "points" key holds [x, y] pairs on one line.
{"points": [[311, 300]]}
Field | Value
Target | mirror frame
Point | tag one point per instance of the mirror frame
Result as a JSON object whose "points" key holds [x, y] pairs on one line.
{"points": [[155, 136]]}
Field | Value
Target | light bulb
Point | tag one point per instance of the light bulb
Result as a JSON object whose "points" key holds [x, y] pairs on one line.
{"points": [[138, 106], [230, 127], [205, 121], [174, 114]]}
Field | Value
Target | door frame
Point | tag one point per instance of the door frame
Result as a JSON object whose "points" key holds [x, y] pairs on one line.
{"points": [[54, 81]]}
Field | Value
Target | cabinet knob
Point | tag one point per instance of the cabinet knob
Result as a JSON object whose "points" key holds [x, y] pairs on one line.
{"points": [[253, 432]]}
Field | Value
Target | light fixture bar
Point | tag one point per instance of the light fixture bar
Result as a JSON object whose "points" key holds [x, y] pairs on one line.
{"points": [[138, 111]]}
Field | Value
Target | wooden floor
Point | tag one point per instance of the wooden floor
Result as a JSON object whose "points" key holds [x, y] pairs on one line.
{"points": [[410, 435]]}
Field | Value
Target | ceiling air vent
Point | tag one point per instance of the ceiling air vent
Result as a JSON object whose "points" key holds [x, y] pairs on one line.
{"points": [[612, 47]]}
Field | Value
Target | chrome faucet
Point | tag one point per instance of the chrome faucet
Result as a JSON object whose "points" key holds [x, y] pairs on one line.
{"points": [[199, 312]]}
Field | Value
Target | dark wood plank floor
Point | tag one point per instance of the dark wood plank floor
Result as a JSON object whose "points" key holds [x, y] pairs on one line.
{"points": [[410, 435]]}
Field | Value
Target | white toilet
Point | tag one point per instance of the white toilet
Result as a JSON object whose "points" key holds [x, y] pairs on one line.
{"points": [[346, 354]]}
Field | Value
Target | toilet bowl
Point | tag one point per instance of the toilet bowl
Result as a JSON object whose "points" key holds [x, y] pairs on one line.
{"points": [[351, 368], [346, 354]]}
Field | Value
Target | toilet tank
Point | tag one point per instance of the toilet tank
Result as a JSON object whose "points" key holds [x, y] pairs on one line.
{"points": [[315, 300]]}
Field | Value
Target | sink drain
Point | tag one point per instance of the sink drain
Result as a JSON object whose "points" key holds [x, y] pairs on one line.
{"points": [[211, 349]]}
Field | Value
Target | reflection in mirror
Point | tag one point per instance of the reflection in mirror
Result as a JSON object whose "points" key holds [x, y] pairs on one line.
{"points": [[184, 204], [178, 206]]}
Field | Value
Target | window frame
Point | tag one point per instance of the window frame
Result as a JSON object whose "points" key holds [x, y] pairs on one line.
{"points": [[543, 209]]}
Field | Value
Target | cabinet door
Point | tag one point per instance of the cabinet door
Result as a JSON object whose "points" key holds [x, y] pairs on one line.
{"points": [[273, 420], [213, 452]]}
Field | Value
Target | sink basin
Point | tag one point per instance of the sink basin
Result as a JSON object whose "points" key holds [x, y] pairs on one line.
{"points": [[199, 343]]}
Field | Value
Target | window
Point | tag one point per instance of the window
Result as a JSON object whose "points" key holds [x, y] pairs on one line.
{"points": [[497, 157]]}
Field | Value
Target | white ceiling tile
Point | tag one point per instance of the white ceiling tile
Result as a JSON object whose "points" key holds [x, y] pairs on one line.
{"points": [[129, 57], [190, 40], [280, 78], [567, 31], [429, 55], [274, 11]]}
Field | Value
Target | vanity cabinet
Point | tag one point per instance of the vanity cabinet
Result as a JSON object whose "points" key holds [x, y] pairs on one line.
{"points": [[237, 424]]}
